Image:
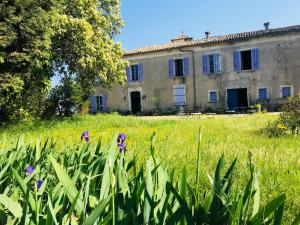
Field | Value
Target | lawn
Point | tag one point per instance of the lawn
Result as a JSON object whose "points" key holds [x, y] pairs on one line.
{"points": [[277, 160]]}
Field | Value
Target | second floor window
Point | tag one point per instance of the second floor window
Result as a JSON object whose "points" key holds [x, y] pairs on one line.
{"points": [[211, 64], [134, 72], [178, 67], [246, 60]]}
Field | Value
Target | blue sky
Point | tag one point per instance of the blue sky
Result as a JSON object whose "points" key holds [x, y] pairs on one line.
{"points": [[149, 22]]}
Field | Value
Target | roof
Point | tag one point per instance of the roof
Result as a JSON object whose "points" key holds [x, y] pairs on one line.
{"points": [[214, 40]]}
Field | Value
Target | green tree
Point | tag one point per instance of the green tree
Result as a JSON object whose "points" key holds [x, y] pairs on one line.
{"points": [[39, 38], [65, 99]]}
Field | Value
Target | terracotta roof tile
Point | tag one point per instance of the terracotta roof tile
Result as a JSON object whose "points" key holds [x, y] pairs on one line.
{"points": [[214, 40]]}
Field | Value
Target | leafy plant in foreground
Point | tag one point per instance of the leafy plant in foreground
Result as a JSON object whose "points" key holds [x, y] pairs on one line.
{"points": [[93, 184]]}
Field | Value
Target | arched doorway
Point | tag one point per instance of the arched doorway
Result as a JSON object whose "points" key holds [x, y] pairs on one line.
{"points": [[135, 98]]}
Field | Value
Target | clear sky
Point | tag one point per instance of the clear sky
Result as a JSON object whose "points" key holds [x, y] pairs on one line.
{"points": [[149, 22]]}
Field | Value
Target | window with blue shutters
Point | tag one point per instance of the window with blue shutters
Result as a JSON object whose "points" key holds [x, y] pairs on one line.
{"points": [[286, 91], [100, 103], [134, 72], [263, 93], [212, 96], [179, 67], [246, 60], [211, 64]]}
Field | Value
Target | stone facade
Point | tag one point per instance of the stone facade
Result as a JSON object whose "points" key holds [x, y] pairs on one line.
{"points": [[278, 67]]}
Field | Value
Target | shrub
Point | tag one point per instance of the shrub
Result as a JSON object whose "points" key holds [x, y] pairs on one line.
{"points": [[290, 116], [289, 119]]}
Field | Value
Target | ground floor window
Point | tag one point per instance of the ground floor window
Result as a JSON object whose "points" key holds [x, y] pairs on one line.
{"points": [[179, 94], [212, 96], [262, 93], [285, 91], [98, 103]]}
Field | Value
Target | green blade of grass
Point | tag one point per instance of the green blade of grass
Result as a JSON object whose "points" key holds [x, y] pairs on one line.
{"points": [[66, 181], [97, 212], [11, 205], [24, 190], [270, 208]]}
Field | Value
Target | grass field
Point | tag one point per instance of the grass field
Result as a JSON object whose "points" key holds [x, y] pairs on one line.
{"points": [[276, 159]]}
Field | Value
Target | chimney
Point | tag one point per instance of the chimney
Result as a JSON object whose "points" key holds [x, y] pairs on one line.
{"points": [[207, 34], [266, 25]]}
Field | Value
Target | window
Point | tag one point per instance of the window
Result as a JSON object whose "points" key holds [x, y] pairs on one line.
{"points": [[99, 103], [134, 72], [263, 93], [246, 60], [285, 92], [178, 67], [211, 64], [179, 94], [212, 96]]}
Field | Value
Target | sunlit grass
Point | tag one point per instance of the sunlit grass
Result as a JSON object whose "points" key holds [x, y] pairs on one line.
{"points": [[277, 159]]}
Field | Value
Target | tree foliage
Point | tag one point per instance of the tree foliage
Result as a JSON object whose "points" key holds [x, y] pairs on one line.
{"points": [[65, 99], [73, 38]]}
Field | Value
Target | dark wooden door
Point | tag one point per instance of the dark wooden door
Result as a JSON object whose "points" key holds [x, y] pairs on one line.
{"points": [[135, 97]]}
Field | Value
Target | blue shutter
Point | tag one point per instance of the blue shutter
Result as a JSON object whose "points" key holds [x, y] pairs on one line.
{"points": [[237, 61], [104, 103], [286, 92], [213, 96], [171, 68], [140, 71], [128, 72], [205, 64], [185, 66], [255, 58], [262, 94], [217, 67], [93, 104]]}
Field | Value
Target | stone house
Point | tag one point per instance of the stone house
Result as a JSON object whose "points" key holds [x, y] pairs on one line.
{"points": [[216, 73]]}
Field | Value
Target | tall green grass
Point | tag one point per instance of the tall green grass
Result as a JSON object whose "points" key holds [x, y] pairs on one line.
{"points": [[95, 184], [277, 160]]}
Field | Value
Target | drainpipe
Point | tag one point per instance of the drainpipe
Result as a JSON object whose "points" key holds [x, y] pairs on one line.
{"points": [[194, 75]]}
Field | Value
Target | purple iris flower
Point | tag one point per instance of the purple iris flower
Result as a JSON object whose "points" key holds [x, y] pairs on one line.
{"points": [[122, 147], [29, 170], [121, 142], [39, 183], [85, 136], [121, 138]]}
